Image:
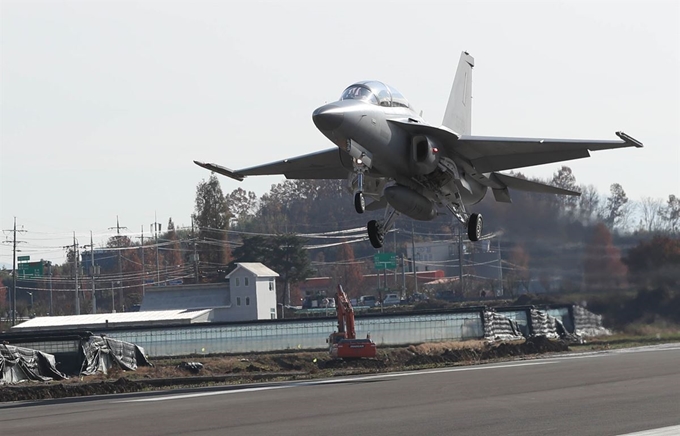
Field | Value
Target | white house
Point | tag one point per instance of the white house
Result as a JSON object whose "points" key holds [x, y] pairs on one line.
{"points": [[248, 294], [253, 292]]}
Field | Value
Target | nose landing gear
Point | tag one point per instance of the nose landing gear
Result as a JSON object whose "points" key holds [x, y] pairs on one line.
{"points": [[359, 202], [378, 229]]}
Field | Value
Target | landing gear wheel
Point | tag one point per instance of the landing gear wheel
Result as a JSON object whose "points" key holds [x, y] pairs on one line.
{"points": [[475, 226], [374, 234], [359, 202]]}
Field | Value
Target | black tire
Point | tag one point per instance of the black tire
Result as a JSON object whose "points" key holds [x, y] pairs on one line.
{"points": [[359, 202], [475, 227], [374, 234]]}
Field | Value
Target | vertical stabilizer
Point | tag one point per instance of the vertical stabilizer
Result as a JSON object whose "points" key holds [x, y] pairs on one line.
{"points": [[458, 115]]}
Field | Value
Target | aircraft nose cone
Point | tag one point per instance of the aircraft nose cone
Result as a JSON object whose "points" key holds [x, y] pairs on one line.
{"points": [[328, 117]]}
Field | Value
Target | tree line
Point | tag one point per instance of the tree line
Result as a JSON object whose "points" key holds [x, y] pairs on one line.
{"points": [[595, 242]]}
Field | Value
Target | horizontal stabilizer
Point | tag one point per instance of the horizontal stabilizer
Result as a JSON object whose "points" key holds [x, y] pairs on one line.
{"points": [[528, 185]]}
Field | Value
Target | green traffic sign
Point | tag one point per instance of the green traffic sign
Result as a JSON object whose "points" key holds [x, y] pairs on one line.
{"points": [[30, 269], [385, 260], [23, 258]]}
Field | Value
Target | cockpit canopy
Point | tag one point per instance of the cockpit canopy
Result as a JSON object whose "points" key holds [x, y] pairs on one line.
{"points": [[375, 93]]}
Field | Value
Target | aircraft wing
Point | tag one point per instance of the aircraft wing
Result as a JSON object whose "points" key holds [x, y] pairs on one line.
{"points": [[326, 164], [488, 154]]}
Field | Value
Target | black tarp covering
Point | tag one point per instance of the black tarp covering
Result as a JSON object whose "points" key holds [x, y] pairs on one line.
{"points": [[102, 353], [18, 364]]}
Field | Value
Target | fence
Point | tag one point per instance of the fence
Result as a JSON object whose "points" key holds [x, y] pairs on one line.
{"points": [[309, 334]]}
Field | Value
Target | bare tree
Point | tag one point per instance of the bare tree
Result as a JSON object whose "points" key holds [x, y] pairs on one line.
{"points": [[650, 209], [671, 214], [565, 179], [588, 203], [617, 209]]}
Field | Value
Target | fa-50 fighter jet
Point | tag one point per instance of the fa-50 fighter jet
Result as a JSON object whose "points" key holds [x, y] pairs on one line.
{"points": [[402, 164]]}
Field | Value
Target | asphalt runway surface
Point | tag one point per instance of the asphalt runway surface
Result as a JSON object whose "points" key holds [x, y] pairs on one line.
{"points": [[609, 393]]}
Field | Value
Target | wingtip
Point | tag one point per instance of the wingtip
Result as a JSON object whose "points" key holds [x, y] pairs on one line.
{"points": [[221, 170], [629, 139]]}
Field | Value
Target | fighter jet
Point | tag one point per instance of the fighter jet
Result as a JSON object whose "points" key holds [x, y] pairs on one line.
{"points": [[398, 162]]}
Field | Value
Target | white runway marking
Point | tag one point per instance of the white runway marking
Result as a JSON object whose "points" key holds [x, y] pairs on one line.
{"points": [[604, 353], [666, 431], [332, 381]]}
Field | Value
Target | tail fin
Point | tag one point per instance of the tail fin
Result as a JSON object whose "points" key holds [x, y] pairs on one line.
{"points": [[458, 115]]}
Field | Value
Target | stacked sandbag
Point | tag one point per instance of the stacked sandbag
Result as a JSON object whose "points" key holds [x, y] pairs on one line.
{"points": [[587, 323], [543, 324], [500, 328]]}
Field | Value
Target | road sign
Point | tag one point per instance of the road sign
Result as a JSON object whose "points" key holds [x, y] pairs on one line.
{"points": [[23, 258], [385, 260], [30, 269]]}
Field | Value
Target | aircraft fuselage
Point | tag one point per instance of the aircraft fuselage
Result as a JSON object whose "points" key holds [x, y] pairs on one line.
{"points": [[390, 149]]}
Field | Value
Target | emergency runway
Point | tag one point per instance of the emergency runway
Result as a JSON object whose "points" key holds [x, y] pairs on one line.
{"points": [[609, 393]]}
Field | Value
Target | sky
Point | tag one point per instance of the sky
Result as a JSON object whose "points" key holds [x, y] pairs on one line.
{"points": [[105, 104]]}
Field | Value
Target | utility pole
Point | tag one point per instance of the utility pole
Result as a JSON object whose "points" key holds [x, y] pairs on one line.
{"points": [[394, 240], [403, 277], [143, 266], [93, 272], [157, 228], [460, 261], [13, 296], [113, 297], [49, 272], [75, 270], [14, 275], [500, 270], [413, 259], [195, 256], [120, 264]]}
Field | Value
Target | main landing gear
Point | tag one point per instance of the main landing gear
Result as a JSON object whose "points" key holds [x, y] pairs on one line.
{"points": [[375, 234], [378, 229], [474, 227], [473, 222]]}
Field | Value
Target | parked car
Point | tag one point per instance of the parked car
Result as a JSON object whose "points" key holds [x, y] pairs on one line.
{"points": [[391, 300], [368, 300]]}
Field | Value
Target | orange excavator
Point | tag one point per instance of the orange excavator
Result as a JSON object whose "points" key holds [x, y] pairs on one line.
{"points": [[344, 343]]}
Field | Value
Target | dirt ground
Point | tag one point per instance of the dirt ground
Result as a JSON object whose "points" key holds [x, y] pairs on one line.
{"points": [[166, 373]]}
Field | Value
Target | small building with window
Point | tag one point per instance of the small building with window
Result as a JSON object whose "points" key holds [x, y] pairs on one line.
{"points": [[248, 294], [253, 291]]}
